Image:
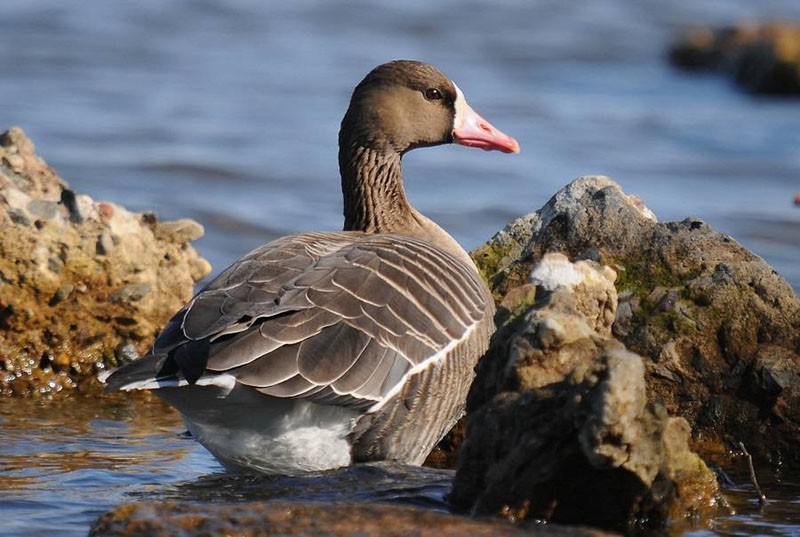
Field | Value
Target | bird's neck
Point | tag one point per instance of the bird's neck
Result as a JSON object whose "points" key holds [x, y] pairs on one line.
{"points": [[372, 185], [375, 200]]}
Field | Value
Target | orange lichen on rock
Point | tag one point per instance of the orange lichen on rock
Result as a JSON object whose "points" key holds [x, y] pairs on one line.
{"points": [[80, 281]]}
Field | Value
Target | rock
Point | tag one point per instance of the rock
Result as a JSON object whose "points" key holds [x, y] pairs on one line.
{"points": [[559, 427], [43, 209], [69, 200], [132, 292], [445, 454], [761, 59], [303, 518], [718, 328], [61, 294], [77, 277], [18, 216], [179, 231], [25, 170], [105, 244], [126, 352]]}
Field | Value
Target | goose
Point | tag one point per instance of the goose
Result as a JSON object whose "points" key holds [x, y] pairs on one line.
{"points": [[324, 349]]}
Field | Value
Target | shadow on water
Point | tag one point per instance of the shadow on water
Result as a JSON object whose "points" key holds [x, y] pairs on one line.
{"points": [[376, 482]]}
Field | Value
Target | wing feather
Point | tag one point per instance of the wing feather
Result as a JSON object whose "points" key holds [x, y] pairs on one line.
{"points": [[368, 362], [325, 358], [294, 387], [280, 368]]}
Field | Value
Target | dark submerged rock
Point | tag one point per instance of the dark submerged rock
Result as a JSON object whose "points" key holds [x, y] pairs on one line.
{"points": [[307, 519], [366, 499], [78, 277], [760, 58]]}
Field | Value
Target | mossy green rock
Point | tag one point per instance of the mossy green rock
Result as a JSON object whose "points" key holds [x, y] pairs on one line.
{"points": [[719, 329]]}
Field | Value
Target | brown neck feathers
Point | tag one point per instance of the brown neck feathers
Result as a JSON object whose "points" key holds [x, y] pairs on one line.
{"points": [[372, 185]]}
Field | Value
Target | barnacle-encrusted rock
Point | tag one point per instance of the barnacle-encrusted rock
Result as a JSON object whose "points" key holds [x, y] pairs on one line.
{"points": [[79, 278]]}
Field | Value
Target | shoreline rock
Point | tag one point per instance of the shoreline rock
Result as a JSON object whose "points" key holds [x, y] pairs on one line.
{"points": [[626, 350], [719, 329], [761, 58], [82, 283]]}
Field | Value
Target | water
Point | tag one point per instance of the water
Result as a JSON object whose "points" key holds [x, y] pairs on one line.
{"points": [[227, 112], [63, 465]]}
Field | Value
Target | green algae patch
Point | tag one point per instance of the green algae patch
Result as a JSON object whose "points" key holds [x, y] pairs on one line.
{"points": [[492, 260], [640, 275]]}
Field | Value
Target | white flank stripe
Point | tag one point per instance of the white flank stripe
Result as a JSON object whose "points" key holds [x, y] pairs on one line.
{"points": [[428, 362], [224, 381]]}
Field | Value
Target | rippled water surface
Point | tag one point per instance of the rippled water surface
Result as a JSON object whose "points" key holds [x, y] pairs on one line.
{"points": [[227, 112], [64, 464]]}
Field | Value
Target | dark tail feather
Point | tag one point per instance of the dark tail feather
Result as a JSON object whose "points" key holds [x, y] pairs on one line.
{"points": [[187, 360], [147, 368], [190, 359]]}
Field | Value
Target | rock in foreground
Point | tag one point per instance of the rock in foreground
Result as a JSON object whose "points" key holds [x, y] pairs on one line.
{"points": [[761, 59], [364, 499], [82, 283], [559, 427], [306, 519]]}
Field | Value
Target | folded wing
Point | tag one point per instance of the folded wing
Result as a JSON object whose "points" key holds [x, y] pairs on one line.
{"points": [[336, 318]]}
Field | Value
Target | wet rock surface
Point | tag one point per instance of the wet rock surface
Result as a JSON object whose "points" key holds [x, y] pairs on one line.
{"points": [[308, 519], [79, 279], [719, 330], [760, 58], [559, 426], [369, 499]]}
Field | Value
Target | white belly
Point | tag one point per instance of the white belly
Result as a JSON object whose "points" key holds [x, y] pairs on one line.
{"points": [[246, 430]]}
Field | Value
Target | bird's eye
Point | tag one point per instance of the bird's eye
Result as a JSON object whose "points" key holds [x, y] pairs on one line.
{"points": [[433, 94]]}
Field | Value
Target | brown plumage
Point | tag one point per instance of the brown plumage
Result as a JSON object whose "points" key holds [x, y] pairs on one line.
{"points": [[366, 338]]}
